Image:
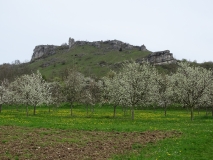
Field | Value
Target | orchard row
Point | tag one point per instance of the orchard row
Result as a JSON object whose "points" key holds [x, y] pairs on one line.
{"points": [[135, 85]]}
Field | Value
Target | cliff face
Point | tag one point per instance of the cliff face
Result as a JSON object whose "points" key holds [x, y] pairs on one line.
{"points": [[161, 57], [43, 51]]}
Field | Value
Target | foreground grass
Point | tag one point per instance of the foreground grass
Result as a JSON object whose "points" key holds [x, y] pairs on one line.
{"points": [[195, 142]]}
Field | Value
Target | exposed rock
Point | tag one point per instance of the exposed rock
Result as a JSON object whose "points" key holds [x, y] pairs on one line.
{"points": [[161, 57], [143, 48], [116, 44], [128, 46], [111, 44], [71, 42], [96, 44], [119, 45], [43, 50], [81, 43]]}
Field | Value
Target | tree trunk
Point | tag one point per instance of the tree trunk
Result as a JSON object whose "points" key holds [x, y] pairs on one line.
{"points": [[124, 110], [114, 111], [27, 112], [92, 108], [49, 108], [165, 109], [206, 111], [34, 110], [154, 108], [133, 113], [0, 107], [192, 114], [212, 110], [198, 110], [187, 109], [71, 109], [87, 110]]}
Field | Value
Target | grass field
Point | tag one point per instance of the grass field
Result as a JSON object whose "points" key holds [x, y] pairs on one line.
{"points": [[194, 139]]}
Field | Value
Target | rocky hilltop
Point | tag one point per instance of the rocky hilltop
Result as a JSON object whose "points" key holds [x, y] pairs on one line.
{"points": [[161, 57], [43, 51]]}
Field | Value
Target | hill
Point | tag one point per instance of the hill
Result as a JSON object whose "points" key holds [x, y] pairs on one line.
{"points": [[94, 59], [91, 58]]}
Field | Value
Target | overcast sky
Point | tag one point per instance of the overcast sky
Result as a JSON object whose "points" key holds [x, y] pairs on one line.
{"points": [[185, 27]]}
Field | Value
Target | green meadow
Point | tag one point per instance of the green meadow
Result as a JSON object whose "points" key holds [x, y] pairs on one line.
{"points": [[194, 142]]}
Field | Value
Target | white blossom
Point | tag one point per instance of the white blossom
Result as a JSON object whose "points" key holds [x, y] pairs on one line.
{"points": [[190, 85], [31, 90]]}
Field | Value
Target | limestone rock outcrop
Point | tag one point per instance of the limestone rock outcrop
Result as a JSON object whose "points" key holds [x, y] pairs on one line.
{"points": [[143, 48], [119, 45], [161, 57], [71, 42], [42, 51]]}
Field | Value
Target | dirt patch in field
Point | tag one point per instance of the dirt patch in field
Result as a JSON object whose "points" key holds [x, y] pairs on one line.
{"points": [[30, 143]]}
